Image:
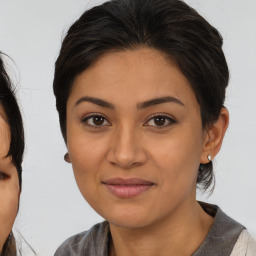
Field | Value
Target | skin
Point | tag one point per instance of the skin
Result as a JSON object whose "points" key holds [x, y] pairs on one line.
{"points": [[9, 183], [130, 143]]}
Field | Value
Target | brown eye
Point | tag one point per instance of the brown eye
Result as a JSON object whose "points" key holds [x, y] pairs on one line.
{"points": [[160, 121], [98, 120], [95, 120]]}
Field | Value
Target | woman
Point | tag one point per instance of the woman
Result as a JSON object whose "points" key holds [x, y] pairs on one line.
{"points": [[11, 153], [140, 87]]}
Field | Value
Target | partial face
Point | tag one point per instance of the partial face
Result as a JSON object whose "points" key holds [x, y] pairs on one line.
{"points": [[135, 137], [9, 184]]}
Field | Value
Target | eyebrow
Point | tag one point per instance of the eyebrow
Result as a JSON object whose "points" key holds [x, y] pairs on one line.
{"points": [[142, 105], [158, 101], [96, 101]]}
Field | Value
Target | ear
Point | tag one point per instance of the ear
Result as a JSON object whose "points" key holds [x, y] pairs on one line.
{"points": [[214, 136]]}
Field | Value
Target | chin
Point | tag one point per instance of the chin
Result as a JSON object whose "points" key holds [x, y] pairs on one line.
{"points": [[128, 218], [128, 223]]}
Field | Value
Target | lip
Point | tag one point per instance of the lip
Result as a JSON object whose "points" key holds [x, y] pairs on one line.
{"points": [[127, 188]]}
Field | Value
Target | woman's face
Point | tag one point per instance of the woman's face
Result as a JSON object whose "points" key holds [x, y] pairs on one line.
{"points": [[135, 137], [9, 183]]}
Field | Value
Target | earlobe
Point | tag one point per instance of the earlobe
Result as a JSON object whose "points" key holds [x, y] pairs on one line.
{"points": [[209, 158], [67, 158], [214, 137]]}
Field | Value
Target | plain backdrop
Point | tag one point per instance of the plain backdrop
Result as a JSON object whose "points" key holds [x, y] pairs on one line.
{"points": [[51, 207]]}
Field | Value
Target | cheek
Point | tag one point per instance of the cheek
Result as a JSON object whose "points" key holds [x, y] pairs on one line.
{"points": [[9, 201], [87, 154], [178, 158]]}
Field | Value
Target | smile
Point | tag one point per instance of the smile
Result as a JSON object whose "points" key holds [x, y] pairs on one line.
{"points": [[127, 188]]}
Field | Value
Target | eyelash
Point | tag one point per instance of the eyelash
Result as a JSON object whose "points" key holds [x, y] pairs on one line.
{"points": [[85, 120], [168, 118]]}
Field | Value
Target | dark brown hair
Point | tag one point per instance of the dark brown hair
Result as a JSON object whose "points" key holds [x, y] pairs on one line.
{"points": [[13, 119], [170, 26], [16, 149]]}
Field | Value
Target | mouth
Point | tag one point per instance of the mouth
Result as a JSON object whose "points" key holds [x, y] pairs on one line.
{"points": [[127, 188]]}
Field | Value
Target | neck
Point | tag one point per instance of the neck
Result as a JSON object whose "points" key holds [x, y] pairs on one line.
{"points": [[166, 237]]}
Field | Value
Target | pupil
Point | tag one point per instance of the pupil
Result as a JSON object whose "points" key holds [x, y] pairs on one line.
{"points": [[98, 120], [160, 121]]}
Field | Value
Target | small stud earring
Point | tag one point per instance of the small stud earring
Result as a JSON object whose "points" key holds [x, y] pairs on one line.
{"points": [[67, 158], [209, 158]]}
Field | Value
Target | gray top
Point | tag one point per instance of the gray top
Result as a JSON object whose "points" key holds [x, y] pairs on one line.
{"points": [[219, 241]]}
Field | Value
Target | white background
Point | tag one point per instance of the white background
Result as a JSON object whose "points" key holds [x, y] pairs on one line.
{"points": [[51, 206]]}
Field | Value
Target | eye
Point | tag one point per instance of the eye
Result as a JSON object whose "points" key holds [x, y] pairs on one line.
{"points": [[96, 121], [3, 176], [160, 121]]}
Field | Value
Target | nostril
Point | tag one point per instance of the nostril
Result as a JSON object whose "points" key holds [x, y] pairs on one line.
{"points": [[126, 166], [114, 164]]}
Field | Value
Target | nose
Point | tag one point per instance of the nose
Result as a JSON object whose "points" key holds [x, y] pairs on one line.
{"points": [[125, 149]]}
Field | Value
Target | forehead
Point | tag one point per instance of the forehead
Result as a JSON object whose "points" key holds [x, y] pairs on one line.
{"points": [[138, 75]]}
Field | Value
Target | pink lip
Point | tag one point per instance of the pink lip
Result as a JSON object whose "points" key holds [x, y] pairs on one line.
{"points": [[127, 188]]}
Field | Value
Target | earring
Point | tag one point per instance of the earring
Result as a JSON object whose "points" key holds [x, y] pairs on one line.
{"points": [[67, 158], [209, 158]]}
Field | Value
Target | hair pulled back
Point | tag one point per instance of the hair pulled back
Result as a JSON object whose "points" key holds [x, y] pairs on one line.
{"points": [[170, 26]]}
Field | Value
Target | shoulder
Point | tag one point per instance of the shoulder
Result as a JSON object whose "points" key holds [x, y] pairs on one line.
{"points": [[86, 243], [223, 234], [245, 245], [72, 244]]}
